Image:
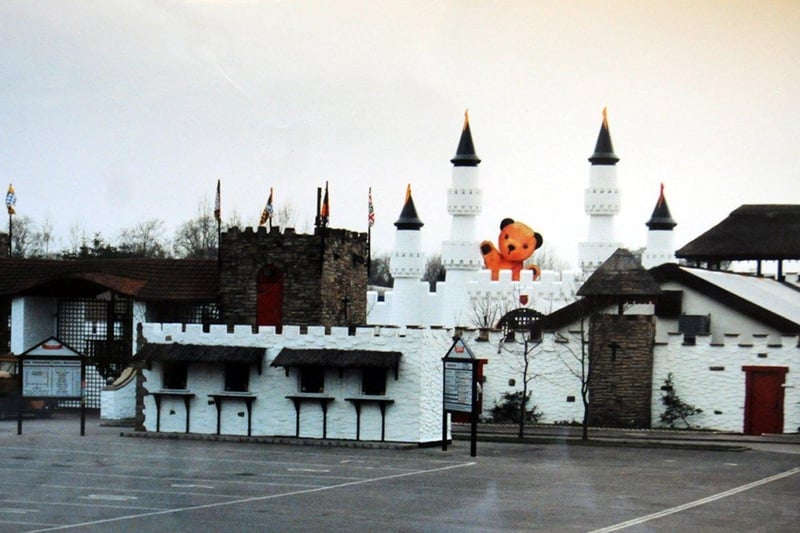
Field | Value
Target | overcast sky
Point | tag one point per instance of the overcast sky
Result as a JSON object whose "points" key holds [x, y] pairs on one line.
{"points": [[115, 112]]}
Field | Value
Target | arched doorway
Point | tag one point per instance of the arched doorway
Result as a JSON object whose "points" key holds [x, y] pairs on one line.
{"points": [[269, 299]]}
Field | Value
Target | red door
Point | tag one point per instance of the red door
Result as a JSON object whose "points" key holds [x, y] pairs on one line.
{"points": [[269, 303], [763, 404]]}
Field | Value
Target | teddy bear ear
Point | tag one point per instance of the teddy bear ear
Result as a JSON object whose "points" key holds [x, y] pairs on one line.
{"points": [[539, 239], [505, 222]]}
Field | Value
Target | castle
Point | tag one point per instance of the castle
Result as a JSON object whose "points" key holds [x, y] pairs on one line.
{"points": [[468, 297]]}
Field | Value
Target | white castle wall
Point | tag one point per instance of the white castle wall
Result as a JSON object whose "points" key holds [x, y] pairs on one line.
{"points": [[415, 415], [551, 292], [709, 376]]}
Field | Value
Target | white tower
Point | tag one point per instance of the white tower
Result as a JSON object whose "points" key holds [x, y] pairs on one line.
{"points": [[461, 254], [660, 238], [407, 266], [601, 203]]}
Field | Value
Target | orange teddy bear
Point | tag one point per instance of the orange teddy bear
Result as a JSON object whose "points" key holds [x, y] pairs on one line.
{"points": [[517, 242]]}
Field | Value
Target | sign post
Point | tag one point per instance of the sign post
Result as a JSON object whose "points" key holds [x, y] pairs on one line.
{"points": [[460, 391], [51, 370]]}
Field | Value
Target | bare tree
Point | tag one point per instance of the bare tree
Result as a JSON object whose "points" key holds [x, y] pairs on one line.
{"points": [[572, 349], [77, 237], [145, 239], [521, 335], [23, 236], [197, 238], [434, 271], [379, 273], [547, 258]]}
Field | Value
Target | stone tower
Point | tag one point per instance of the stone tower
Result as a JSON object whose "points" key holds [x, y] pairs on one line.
{"points": [[274, 278], [601, 203]]}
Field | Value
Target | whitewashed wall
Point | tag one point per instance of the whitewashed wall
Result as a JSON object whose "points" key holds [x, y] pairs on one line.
{"points": [[415, 415], [118, 402], [553, 291], [709, 376], [32, 321]]}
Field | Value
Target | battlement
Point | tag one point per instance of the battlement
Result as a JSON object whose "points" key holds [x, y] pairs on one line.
{"points": [[246, 335], [734, 340]]}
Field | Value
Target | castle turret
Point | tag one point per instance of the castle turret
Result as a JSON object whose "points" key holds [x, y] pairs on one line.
{"points": [[601, 203], [660, 237], [407, 266], [461, 253]]}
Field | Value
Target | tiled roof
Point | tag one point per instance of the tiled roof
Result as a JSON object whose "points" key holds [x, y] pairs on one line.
{"points": [[143, 279], [750, 232]]}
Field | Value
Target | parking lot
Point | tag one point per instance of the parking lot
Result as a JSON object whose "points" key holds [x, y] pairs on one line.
{"points": [[55, 480]]}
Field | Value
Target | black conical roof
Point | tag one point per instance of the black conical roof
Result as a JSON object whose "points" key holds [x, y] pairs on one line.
{"points": [[409, 219], [465, 153], [604, 149], [661, 219]]}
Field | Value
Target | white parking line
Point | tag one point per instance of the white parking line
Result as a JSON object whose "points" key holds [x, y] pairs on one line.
{"points": [[255, 498], [697, 503]]}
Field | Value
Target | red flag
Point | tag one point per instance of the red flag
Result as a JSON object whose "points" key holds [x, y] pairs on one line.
{"points": [[325, 210]]}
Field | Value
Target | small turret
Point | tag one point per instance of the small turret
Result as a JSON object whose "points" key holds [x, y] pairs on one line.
{"points": [[604, 149], [660, 238], [408, 216], [465, 153], [661, 219]]}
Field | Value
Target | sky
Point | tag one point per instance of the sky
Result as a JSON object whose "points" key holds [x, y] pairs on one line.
{"points": [[117, 112]]}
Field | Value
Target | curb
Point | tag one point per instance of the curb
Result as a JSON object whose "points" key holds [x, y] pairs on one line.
{"points": [[606, 442]]}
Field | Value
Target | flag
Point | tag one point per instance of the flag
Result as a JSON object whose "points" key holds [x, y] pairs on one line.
{"points": [[266, 214], [11, 200], [217, 205], [370, 210], [325, 210]]}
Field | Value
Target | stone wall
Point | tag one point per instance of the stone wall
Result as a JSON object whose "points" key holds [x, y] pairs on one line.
{"points": [[621, 381], [324, 275]]}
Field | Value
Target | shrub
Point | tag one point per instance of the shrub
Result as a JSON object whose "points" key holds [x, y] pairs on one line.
{"points": [[675, 409], [507, 411]]}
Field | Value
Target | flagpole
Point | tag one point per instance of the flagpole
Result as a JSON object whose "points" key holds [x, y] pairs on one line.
{"points": [[10, 234]]}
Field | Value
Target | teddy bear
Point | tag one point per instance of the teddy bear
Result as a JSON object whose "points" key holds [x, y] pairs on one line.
{"points": [[516, 243]]}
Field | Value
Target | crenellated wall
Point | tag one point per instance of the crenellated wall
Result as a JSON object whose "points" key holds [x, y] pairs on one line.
{"points": [[480, 294], [414, 416], [710, 376], [324, 274], [627, 392]]}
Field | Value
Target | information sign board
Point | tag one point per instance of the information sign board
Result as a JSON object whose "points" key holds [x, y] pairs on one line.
{"points": [[51, 378], [458, 386]]}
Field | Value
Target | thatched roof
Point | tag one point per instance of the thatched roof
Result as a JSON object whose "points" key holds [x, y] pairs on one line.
{"points": [[200, 353], [621, 279], [188, 280], [750, 232], [335, 358]]}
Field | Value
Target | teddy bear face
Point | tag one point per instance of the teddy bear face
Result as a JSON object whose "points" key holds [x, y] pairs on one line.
{"points": [[517, 242]]}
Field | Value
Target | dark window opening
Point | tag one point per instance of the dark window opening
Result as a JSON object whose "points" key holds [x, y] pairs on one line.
{"points": [[237, 377], [693, 325], [174, 375], [669, 304], [373, 381], [312, 379]]}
